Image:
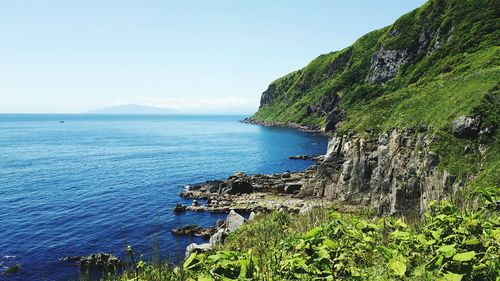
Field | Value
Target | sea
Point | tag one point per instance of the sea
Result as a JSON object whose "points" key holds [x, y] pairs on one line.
{"points": [[77, 184]]}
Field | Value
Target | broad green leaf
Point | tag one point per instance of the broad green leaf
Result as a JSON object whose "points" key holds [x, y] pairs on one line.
{"points": [[313, 232], [401, 224], [430, 242], [205, 277], [189, 261], [323, 253], [447, 250], [467, 256], [450, 276], [330, 244], [398, 266], [243, 269], [386, 252], [436, 234], [472, 241], [401, 235]]}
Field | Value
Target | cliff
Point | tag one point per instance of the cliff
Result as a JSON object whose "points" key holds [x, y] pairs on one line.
{"points": [[393, 103]]}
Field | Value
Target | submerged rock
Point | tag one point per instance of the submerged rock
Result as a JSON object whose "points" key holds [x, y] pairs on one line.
{"points": [[194, 230], [99, 261], [179, 208]]}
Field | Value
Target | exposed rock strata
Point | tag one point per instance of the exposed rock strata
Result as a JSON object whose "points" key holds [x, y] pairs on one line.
{"points": [[396, 173]]}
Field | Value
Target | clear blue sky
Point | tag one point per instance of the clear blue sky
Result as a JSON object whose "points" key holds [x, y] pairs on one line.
{"points": [[209, 56]]}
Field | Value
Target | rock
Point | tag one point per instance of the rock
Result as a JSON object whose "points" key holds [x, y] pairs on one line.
{"points": [[188, 230], [293, 188], [234, 221], [240, 187], [383, 139], [251, 217], [179, 208], [99, 260], [195, 203], [395, 173], [488, 131], [220, 223], [198, 248], [466, 127], [385, 64], [239, 175], [301, 157], [285, 175], [306, 208], [218, 238], [334, 117]]}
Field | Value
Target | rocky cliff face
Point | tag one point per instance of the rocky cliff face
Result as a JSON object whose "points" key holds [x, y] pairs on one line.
{"points": [[396, 173]]}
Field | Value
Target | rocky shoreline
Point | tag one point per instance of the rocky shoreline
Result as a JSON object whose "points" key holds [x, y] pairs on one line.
{"points": [[251, 193], [290, 125], [243, 194]]}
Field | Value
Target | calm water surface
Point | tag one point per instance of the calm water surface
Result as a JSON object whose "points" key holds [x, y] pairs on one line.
{"points": [[97, 183]]}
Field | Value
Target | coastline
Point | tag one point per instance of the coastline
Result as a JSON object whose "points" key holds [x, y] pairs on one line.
{"points": [[251, 195], [289, 125]]}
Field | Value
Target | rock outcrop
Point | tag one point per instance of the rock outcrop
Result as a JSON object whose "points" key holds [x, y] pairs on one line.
{"points": [[466, 127], [396, 173], [386, 63]]}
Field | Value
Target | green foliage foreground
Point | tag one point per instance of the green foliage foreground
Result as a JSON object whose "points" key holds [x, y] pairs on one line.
{"points": [[447, 245]]}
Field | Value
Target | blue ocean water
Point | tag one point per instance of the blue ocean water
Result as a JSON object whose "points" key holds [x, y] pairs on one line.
{"points": [[96, 183]]}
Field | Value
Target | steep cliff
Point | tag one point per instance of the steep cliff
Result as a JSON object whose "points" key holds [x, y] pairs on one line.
{"points": [[394, 102], [441, 41]]}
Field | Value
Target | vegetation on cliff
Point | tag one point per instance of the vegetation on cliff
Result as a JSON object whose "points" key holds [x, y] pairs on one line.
{"points": [[326, 245], [433, 65], [444, 46]]}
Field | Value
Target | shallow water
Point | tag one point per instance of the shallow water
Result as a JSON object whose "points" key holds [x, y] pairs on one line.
{"points": [[96, 183]]}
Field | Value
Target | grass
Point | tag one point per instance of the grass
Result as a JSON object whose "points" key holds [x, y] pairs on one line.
{"points": [[448, 244]]}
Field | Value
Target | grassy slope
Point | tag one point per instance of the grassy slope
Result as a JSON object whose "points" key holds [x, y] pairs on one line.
{"points": [[467, 28], [434, 89], [325, 245]]}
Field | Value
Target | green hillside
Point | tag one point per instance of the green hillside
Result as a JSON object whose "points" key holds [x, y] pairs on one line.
{"points": [[444, 45], [434, 64]]}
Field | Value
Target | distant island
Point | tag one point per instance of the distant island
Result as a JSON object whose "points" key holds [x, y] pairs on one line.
{"points": [[133, 109]]}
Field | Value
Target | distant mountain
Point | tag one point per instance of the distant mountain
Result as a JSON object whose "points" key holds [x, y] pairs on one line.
{"points": [[133, 109]]}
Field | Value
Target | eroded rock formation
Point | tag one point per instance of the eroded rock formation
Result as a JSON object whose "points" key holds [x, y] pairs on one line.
{"points": [[396, 173]]}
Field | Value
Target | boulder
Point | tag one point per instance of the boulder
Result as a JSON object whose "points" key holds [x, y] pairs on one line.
{"points": [[198, 248], [239, 187], [285, 175], [251, 217], [179, 208], [306, 208], [218, 238], [466, 127], [293, 188], [234, 221]]}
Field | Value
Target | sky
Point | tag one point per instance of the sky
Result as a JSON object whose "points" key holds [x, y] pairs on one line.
{"points": [[195, 56]]}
